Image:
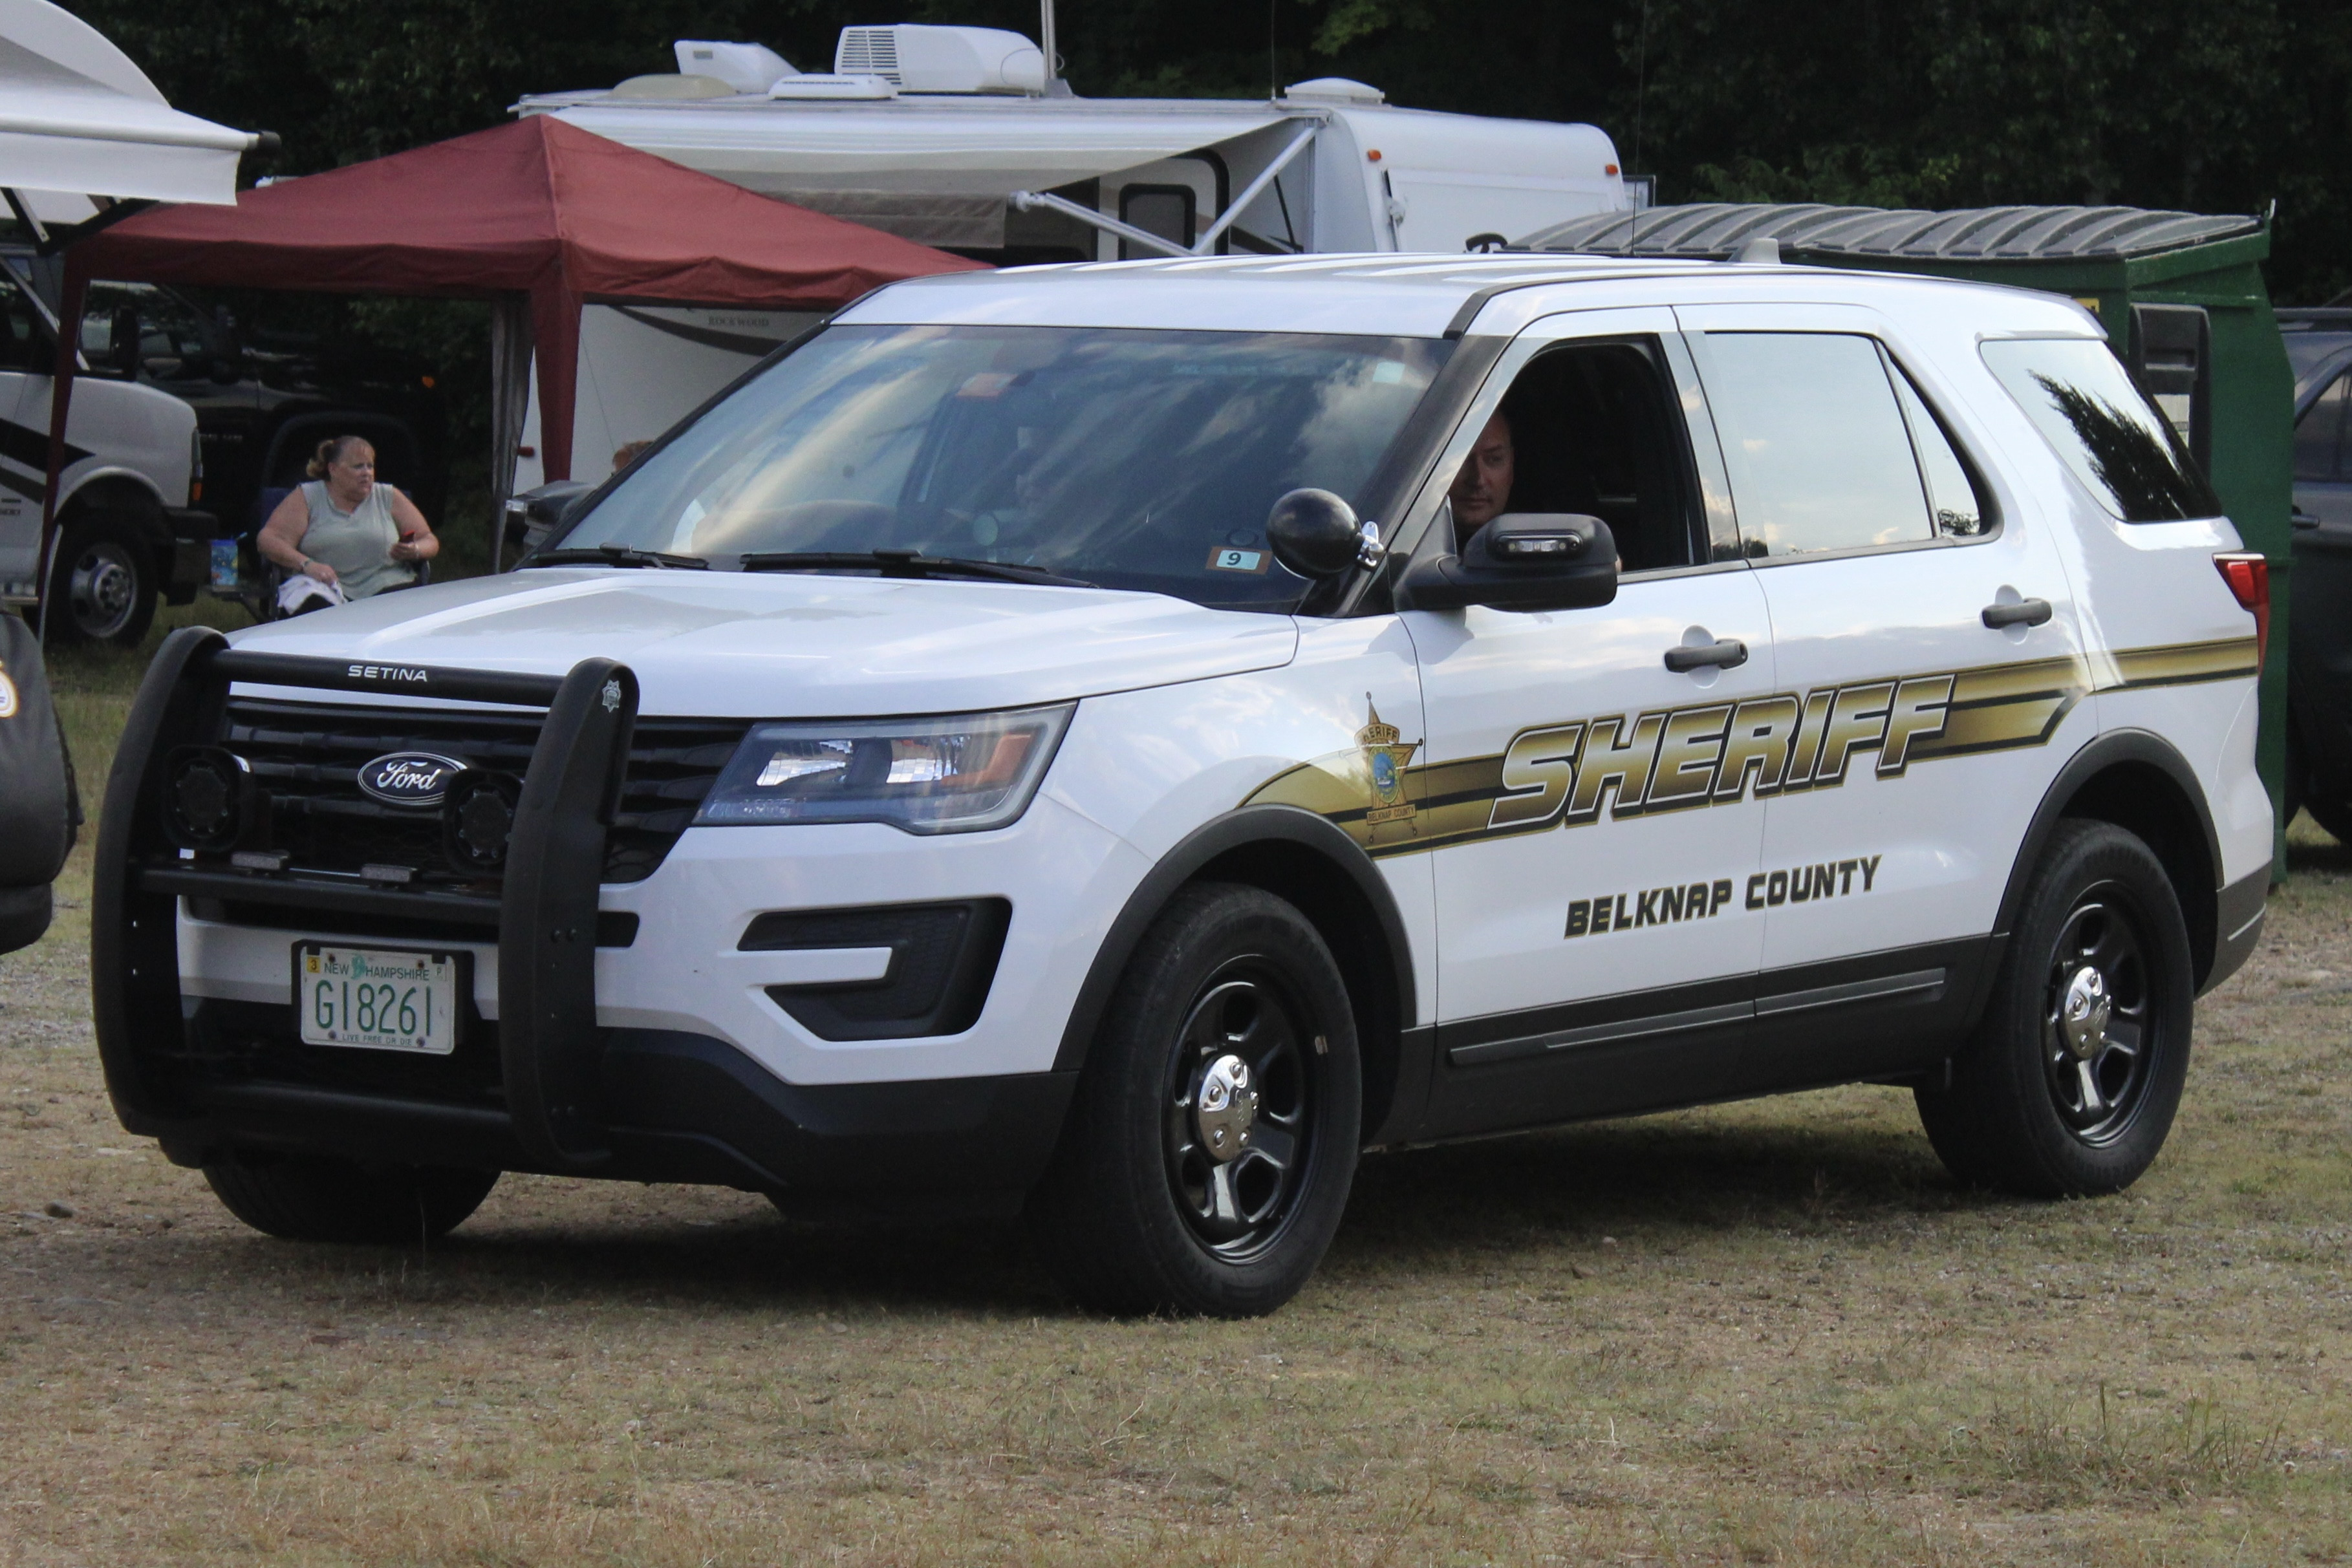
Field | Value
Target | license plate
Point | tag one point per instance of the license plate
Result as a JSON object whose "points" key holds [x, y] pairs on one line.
{"points": [[379, 999]]}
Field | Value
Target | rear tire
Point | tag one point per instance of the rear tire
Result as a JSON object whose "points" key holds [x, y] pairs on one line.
{"points": [[2071, 1083], [2331, 814], [102, 585], [2306, 792], [1207, 1156], [309, 1198]]}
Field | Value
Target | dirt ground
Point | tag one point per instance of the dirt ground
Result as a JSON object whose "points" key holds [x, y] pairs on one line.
{"points": [[1772, 1332]]}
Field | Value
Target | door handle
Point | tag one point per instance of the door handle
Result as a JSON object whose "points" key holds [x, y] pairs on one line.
{"points": [[1726, 654], [2025, 613]]}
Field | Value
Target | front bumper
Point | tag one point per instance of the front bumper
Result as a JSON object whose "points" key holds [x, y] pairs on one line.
{"points": [[691, 1109], [553, 1082]]}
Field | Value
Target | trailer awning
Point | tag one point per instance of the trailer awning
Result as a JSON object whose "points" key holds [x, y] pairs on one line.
{"points": [[76, 116], [538, 210], [943, 148]]}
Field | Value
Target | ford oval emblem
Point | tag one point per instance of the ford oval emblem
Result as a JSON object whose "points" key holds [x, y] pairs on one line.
{"points": [[409, 777]]}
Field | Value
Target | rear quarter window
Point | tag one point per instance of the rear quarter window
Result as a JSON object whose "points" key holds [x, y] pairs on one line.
{"points": [[2081, 399]]}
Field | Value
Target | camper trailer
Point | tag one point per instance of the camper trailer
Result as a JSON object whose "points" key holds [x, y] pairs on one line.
{"points": [[966, 139]]}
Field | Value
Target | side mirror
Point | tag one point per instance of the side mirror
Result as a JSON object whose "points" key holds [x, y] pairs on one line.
{"points": [[1523, 562], [1316, 534], [534, 515]]}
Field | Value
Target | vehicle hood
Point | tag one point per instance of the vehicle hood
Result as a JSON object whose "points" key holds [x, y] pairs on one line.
{"points": [[726, 644]]}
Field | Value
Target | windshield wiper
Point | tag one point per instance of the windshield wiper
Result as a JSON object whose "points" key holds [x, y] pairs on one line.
{"points": [[905, 563], [617, 555]]}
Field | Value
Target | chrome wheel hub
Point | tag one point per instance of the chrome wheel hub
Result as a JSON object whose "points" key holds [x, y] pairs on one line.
{"points": [[2099, 1020], [2083, 1016], [1225, 1108], [1239, 1119], [102, 587]]}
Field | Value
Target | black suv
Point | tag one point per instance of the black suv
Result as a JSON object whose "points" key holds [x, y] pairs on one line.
{"points": [[2319, 656], [265, 398]]}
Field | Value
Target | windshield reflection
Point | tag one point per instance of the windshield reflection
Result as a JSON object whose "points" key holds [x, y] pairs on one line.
{"points": [[1126, 459]]}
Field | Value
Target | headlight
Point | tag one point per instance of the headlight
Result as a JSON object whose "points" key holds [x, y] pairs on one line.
{"points": [[953, 774]]}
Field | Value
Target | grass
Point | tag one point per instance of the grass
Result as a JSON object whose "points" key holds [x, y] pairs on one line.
{"points": [[1770, 1333]]}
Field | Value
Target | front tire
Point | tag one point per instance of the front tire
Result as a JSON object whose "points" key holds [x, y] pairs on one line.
{"points": [[309, 1198], [102, 585], [1209, 1151], [2071, 1083]]}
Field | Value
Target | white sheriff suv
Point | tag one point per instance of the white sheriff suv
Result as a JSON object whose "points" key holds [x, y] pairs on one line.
{"points": [[1115, 742]]}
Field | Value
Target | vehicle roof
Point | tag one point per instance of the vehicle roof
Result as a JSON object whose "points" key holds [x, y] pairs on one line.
{"points": [[1409, 295], [1972, 233], [2318, 345]]}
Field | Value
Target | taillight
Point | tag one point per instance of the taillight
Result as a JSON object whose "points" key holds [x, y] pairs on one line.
{"points": [[2249, 577]]}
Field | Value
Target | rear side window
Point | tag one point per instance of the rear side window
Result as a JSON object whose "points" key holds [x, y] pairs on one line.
{"points": [[2078, 395], [1817, 446], [1952, 497], [2319, 434]]}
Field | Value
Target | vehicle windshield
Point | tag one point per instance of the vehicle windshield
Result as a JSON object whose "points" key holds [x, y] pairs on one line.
{"points": [[1128, 459]]}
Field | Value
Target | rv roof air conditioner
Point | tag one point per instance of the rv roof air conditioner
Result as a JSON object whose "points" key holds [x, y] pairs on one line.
{"points": [[1334, 89], [746, 67], [915, 58]]}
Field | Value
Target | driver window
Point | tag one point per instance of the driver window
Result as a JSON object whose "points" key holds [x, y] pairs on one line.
{"points": [[1589, 428], [22, 342]]}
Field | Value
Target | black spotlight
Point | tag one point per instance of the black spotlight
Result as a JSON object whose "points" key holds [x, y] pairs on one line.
{"points": [[208, 798], [477, 817]]}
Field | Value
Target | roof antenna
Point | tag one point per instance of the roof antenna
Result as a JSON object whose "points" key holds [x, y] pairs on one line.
{"points": [[1641, 81], [1273, 60], [1048, 45]]}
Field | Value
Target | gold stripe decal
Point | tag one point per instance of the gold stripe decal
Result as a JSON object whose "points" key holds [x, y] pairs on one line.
{"points": [[1567, 773]]}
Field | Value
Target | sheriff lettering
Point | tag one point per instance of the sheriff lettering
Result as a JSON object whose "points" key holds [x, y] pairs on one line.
{"points": [[1714, 754]]}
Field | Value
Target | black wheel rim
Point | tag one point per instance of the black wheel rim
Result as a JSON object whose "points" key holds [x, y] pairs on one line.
{"points": [[2100, 1031], [1241, 1100], [102, 589]]}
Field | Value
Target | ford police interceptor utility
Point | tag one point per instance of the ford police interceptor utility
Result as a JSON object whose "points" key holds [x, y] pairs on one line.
{"points": [[1046, 742]]}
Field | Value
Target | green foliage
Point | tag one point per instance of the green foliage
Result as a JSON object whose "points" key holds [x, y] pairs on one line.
{"points": [[2210, 105]]}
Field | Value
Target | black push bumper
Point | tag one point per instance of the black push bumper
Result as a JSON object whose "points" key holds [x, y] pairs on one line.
{"points": [[570, 1098]]}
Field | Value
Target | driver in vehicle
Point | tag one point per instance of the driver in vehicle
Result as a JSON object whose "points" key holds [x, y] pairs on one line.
{"points": [[1482, 491]]}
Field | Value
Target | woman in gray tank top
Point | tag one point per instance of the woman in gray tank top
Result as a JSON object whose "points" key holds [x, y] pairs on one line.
{"points": [[343, 527]]}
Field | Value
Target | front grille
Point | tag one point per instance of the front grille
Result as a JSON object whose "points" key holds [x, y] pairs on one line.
{"points": [[305, 758]]}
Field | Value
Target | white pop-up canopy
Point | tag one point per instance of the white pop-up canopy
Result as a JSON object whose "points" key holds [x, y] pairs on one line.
{"points": [[78, 119]]}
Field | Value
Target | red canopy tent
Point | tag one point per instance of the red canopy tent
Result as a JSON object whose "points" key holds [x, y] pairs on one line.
{"points": [[538, 208]]}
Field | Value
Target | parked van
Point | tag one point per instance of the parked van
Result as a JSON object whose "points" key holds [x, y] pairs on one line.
{"points": [[960, 138], [130, 530]]}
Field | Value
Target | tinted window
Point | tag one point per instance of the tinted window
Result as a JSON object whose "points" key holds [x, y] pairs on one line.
{"points": [[1594, 430], [2078, 395], [1952, 499], [22, 344], [1130, 459], [2306, 349], [1818, 450], [171, 334], [2319, 433], [1162, 210]]}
